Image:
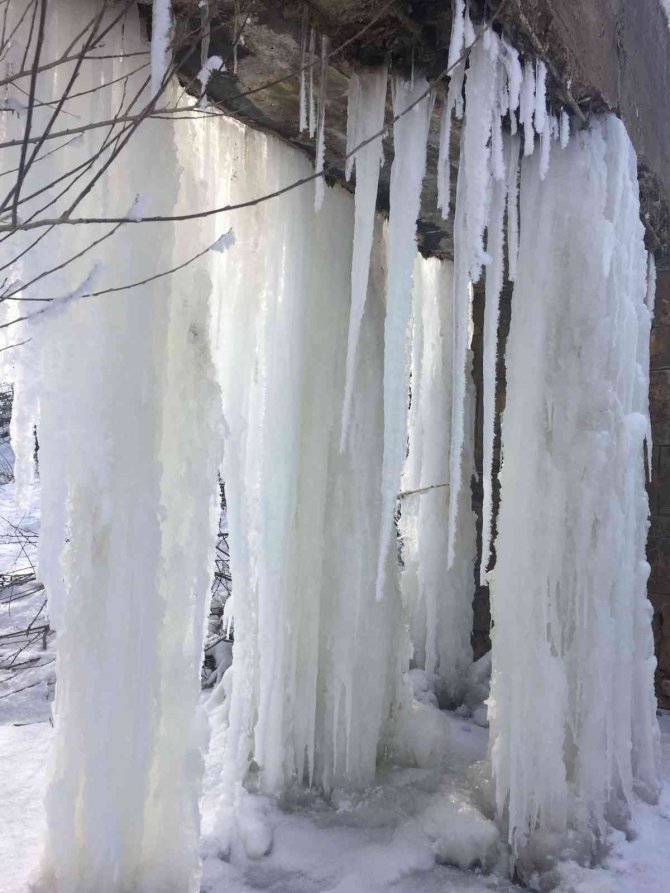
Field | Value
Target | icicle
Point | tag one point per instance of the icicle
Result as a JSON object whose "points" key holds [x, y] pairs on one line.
{"points": [[367, 103], [443, 164], [570, 613], [472, 198], [303, 55], [126, 512], [320, 183], [161, 32], [439, 602], [410, 135], [497, 160], [540, 114], [353, 111], [453, 103], [512, 189], [527, 107], [457, 40], [494, 283], [312, 98], [545, 149], [565, 129], [514, 75]]}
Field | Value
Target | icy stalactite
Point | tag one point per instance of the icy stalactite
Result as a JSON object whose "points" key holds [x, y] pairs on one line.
{"points": [[161, 33], [410, 135], [439, 602], [527, 107], [495, 86], [453, 104], [512, 177], [320, 183], [317, 660], [568, 591], [365, 118], [124, 395], [472, 199], [494, 282], [302, 125]]}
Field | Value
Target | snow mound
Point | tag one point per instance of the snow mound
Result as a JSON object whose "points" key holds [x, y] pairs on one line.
{"points": [[461, 835], [418, 736]]}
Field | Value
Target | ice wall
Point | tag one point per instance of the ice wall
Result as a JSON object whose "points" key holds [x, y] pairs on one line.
{"points": [[316, 660], [572, 706], [438, 599], [124, 395]]}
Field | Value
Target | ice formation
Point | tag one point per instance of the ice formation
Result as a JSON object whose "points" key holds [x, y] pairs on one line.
{"points": [[410, 134], [255, 351], [494, 88], [365, 119], [504, 197], [123, 392], [320, 183], [161, 31], [569, 603], [317, 660], [439, 601]]}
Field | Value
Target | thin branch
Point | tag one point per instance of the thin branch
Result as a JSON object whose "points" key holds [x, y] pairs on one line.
{"points": [[29, 114]]}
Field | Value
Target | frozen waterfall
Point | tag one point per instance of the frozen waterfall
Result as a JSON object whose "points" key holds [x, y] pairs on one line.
{"points": [[572, 704], [310, 357]]}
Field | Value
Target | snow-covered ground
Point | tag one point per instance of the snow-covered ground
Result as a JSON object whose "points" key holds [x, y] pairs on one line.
{"points": [[385, 839], [357, 844]]}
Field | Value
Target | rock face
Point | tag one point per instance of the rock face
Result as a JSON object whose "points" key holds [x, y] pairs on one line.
{"points": [[604, 54], [659, 489]]}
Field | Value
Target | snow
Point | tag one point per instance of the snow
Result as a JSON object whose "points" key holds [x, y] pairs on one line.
{"points": [[405, 834], [569, 606], [365, 118], [212, 64]]}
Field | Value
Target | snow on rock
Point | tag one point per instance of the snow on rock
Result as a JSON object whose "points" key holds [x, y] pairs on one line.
{"points": [[570, 613]]}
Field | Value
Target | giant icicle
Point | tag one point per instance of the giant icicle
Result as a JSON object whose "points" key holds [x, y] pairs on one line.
{"points": [[365, 119], [410, 134], [317, 659], [124, 395], [439, 600], [569, 605]]}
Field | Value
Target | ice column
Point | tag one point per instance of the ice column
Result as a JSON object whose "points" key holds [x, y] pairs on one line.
{"points": [[573, 728], [124, 396], [438, 599], [316, 658], [365, 119], [410, 134]]}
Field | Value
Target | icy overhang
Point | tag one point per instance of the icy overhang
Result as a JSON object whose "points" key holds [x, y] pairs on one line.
{"points": [[602, 54]]}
